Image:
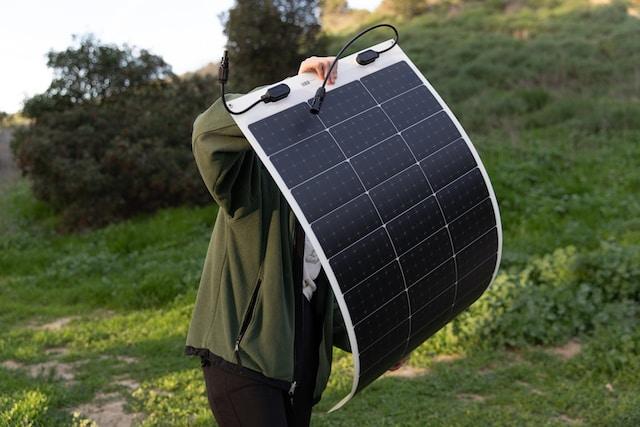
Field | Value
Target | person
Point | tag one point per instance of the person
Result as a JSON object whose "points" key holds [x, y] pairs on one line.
{"points": [[264, 321]]}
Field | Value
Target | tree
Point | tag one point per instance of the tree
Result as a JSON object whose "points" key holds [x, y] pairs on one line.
{"points": [[110, 137], [404, 8], [93, 71], [267, 39]]}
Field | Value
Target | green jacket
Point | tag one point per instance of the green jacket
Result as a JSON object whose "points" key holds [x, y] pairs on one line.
{"points": [[246, 281]]}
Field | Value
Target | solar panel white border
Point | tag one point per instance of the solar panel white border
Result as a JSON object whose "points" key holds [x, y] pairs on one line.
{"points": [[303, 88]]}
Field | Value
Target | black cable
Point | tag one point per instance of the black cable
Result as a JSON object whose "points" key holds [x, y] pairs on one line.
{"points": [[273, 94], [364, 58], [229, 110], [281, 91], [223, 76]]}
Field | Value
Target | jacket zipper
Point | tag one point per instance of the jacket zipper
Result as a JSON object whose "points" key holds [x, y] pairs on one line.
{"points": [[247, 317], [298, 256]]}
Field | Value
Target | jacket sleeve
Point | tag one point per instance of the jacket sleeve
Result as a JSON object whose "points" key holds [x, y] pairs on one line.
{"points": [[340, 336], [226, 161]]}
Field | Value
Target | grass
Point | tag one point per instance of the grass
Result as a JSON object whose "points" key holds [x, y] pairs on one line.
{"points": [[549, 95], [529, 387]]}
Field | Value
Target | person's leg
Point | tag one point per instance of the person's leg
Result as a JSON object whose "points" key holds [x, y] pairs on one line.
{"points": [[239, 401], [303, 397], [236, 400]]}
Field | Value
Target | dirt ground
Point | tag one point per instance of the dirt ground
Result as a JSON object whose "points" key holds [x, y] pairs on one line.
{"points": [[8, 169], [105, 409]]}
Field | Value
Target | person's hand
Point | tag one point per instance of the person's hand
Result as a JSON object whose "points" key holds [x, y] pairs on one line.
{"points": [[319, 65], [400, 363]]}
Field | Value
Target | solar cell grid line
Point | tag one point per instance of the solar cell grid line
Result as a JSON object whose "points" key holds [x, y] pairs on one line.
{"points": [[391, 194], [385, 179], [431, 112], [277, 158], [391, 81], [365, 281], [387, 232], [432, 108], [280, 147], [384, 336], [383, 343]]}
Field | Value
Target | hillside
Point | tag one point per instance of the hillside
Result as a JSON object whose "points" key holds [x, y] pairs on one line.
{"points": [[94, 323], [554, 88]]}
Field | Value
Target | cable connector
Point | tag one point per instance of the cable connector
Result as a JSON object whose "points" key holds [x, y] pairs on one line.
{"points": [[276, 93], [317, 100], [273, 94], [367, 57], [223, 69], [363, 58]]}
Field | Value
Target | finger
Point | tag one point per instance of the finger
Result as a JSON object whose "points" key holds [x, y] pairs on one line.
{"points": [[308, 65], [329, 71], [334, 72], [320, 70], [304, 67], [325, 68], [332, 76]]}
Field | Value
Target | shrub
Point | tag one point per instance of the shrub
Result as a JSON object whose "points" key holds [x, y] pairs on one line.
{"points": [[553, 298], [561, 295], [111, 141], [616, 341], [29, 408]]}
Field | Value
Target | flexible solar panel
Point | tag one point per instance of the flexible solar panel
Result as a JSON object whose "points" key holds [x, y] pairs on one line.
{"points": [[392, 195]]}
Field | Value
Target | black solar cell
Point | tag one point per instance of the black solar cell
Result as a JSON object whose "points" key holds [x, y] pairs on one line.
{"points": [[447, 164], [308, 158], [344, 102], [430, 135], [347, 224], [362, 131], [285, 128], [391, 81], [411, 107]]}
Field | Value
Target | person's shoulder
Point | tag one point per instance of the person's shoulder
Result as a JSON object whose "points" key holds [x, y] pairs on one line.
{"points": [[216, 118]]}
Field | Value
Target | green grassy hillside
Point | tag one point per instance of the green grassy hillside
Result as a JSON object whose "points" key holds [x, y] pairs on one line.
{"points": [[549, 93]]}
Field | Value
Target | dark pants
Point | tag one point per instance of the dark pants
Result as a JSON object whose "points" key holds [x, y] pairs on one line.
{"points": [[236, 400]]}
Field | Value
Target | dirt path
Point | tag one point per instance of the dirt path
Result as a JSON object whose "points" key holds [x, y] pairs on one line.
{"points": [[8, 169], [105, 409]]}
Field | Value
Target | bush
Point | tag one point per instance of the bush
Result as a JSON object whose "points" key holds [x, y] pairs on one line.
{"points": [[112, 141], [561, 295], [27, 409], [552, 299], [616, 343]]}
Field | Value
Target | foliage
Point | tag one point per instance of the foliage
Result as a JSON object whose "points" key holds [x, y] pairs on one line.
{"points": [[257, 60], [334, 6], [558, 296], [26, 409], [403, 8], [111, 135], [553, 298], [181, 407], [94, 71], [336, 16]]}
